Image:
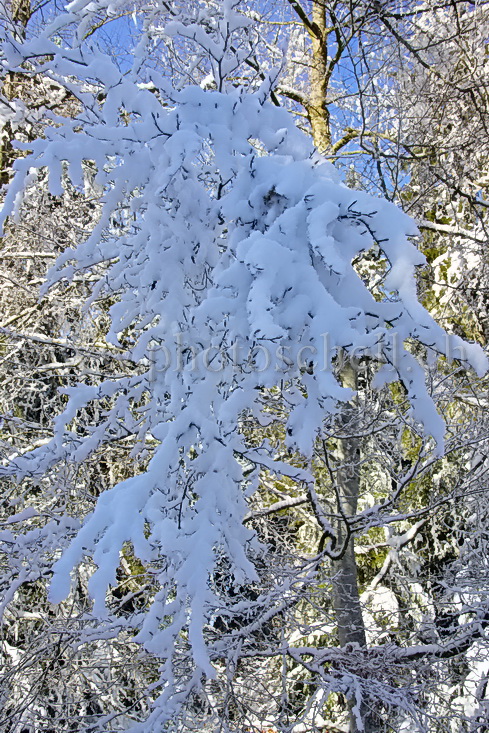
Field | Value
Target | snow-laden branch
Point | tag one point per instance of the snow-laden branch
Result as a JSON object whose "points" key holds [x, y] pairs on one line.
{"points": [[229, 248]]}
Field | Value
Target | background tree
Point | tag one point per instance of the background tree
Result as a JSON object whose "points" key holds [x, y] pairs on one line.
{"points": [[398, 93], [427, 50], [338, 57], [46, 683], [247, 205]]}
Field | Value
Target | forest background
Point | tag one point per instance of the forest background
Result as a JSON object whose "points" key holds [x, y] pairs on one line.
{"points": [[319, 560]]}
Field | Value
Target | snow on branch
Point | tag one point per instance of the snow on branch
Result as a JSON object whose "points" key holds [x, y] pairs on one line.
{"points": [[228, 246]]}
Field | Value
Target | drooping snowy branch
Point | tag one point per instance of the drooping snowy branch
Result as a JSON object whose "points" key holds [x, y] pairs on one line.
{"points": [[229, 248]]}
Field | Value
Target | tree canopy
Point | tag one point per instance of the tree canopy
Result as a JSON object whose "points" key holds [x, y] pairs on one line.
{"points": [[261, 397]]}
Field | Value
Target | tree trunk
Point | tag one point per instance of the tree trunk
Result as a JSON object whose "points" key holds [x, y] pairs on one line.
{"points": [[346, 596], [21, 12], [317, 109]]}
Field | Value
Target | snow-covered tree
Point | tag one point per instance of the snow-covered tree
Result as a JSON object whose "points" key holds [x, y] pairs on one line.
{"points": [[43, 347], [398, 92], [229, 263]]}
